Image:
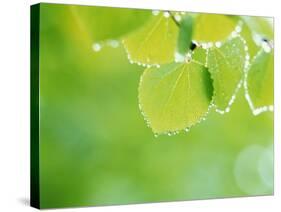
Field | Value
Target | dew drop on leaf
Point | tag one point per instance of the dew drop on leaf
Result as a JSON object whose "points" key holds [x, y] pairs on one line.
{"points": [[154, 43], [175, 96], [226, 65], [259, 83]]}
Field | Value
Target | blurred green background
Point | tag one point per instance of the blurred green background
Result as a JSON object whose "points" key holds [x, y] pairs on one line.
{"points": [[95, 147]]}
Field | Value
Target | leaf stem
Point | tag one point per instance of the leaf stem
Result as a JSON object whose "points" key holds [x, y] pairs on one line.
{"points": [[174, 19]]}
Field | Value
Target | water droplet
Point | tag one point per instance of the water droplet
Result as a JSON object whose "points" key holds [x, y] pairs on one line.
{"points": [[247, 63], [155, 12], [266, 47], [179, 58], [166, 14], [96, 47], [218, 44], [210, 44], [157, 66], [188, 57], [257, 38], [204, 45], [178, 18], [113, 43], [238, 28], [233, 34]]}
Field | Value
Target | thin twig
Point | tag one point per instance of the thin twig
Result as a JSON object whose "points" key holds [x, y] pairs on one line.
{"points": [[174, 19], [193, 44]]}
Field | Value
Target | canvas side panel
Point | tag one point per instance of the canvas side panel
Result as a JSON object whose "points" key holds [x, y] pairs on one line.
{"points": [[34, 104]]}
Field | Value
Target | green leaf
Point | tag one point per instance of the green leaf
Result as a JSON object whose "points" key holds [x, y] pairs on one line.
{"points": [[212, 27], [90, 24], [175, 96], [226, 65], [154, 43], [247, 34], [254, 30], [102, 23], [260, 80], [260, 25], [199, 55], [185, 34]]}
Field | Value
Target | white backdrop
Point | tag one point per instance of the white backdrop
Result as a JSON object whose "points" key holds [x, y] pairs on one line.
{"points": [[14, 102]]}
